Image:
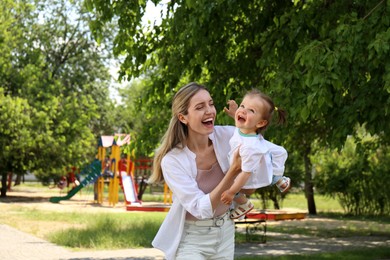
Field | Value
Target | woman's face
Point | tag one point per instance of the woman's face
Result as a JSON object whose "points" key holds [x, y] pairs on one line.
{"points": [[201, 114]]}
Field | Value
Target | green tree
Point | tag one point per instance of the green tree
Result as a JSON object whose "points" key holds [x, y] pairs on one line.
{"points": [[53, 66], [326, 62], [15, 138]]}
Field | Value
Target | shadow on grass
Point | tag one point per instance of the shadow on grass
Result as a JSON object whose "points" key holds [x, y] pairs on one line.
{"points": [[359, 254], [23, 199]]}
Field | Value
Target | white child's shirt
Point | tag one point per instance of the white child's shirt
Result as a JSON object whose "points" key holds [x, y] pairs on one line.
{"points": [[260, 157]]}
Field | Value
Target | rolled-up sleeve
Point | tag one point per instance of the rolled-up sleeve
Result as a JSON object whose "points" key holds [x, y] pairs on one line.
{"points": [[279, 156]]}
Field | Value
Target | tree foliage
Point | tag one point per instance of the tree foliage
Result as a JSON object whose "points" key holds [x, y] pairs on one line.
{"points": [[326, 62], [137, 119], [16, 121], [54, 88]]}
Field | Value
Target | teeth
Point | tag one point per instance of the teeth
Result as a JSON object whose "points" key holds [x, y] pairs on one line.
{"points": [[208, 120]]}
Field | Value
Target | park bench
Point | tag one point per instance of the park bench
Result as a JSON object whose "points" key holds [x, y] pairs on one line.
{"points": [[256, 221]]}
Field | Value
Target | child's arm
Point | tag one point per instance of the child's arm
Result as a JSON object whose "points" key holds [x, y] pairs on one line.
{"points": [[228, 196]]}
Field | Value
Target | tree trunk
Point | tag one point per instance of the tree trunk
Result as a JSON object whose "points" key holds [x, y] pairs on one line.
{"points": [[274, 198], [4, 178], [10, 175], [309, 189], [18, 179]]}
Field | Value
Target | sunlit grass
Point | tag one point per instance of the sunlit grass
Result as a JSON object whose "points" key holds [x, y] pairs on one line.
{"points": [[108, 231], [86, 230], [35, 187], [323, 203], [297, 201]]}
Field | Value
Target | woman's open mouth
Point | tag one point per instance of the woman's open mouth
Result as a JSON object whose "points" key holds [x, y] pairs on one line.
{"points": [[208, 122]]}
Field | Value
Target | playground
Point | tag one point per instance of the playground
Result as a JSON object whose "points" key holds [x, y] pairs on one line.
{"points": [[112, 177]]}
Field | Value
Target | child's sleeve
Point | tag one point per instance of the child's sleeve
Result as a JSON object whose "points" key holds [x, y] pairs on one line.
{"points": [[278, 157]]}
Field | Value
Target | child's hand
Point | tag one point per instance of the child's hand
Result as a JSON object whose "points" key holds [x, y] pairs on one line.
{"points": [[227, 197], [231, 109]]}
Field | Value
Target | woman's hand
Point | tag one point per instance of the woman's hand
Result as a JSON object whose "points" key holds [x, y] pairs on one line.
{"points": [[236, 164], [231, 109]]}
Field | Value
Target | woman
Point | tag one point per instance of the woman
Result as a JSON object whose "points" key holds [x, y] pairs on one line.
{"points": [[193, 161]]}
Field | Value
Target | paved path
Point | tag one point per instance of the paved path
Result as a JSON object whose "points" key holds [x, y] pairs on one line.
{"points": [[17, 245]]}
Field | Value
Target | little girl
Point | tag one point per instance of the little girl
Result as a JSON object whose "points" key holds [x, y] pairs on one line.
{"points": [[262, 161]]}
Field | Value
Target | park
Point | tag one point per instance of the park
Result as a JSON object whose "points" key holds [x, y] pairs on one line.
{"points": [[86, 90], [267, 233]]}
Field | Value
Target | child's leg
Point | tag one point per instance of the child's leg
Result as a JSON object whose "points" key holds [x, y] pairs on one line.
{"points": [[283, 183], [243, 204], [275, 179], [240, 198]]}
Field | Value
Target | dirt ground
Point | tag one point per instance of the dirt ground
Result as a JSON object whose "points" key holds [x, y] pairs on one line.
{"points": [[277, 243]]}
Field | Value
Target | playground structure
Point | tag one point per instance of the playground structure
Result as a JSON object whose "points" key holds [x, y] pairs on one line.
{"points": [[130, 175], [92, 172], [116, 171], [143, 166], [119, 167]]}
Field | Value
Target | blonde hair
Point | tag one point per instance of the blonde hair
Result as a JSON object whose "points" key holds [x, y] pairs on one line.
{"points": [[177, 132]]}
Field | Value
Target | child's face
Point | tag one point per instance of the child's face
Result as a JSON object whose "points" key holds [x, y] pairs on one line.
{"points": [[249, 115]]}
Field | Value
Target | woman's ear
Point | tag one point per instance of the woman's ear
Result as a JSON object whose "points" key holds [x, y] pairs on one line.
{"points": [[182, 119]]}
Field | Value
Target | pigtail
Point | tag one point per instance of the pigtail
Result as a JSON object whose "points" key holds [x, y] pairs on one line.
{"points": [[282, 115]]}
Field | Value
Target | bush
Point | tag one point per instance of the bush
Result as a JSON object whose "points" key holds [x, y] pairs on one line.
{"points": [[356, 174]]}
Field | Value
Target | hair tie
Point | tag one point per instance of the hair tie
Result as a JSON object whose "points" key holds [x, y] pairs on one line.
{"points": [[276, 108]]}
